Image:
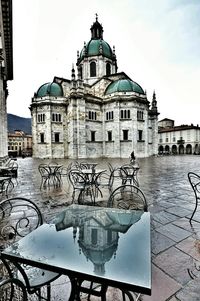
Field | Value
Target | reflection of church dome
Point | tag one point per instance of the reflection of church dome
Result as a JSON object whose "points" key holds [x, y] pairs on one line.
{"points": [[50, 89], [124, 85], [99, 256]]}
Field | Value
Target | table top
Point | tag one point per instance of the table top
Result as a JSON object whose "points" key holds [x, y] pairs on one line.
{"points": [[92, 171], [107, 245]]}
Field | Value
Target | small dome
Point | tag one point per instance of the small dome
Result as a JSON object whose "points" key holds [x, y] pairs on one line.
{"points": [[51, 89], [96, 47], [124, 85]]}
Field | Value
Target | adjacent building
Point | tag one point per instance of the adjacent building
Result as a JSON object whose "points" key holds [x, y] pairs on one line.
{"points": [[99, 112], [19, 144], [182, 139], [6, 72]]}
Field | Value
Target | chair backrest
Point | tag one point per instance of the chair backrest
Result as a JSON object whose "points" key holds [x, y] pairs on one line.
{"points": [[43, 170], [4, 186], [12, 289], [128, 197], [194, 180], [18, 217], [76, 177]]}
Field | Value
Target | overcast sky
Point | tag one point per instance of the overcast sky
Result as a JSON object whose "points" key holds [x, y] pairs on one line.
{"points": [[157, 45]]}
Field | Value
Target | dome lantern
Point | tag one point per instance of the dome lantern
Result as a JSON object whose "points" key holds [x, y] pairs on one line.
{"points": [[96, 30]]}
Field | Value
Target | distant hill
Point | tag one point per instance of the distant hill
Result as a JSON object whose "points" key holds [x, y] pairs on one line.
{"points": [[19, 123]]}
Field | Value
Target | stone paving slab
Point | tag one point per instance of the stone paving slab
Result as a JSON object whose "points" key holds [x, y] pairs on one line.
{"points": [[173, 232], [191, 292], [164, 217], [191, 246], [160, 242], [179, 211], [163, 286], [171, 202], [175, 263]]}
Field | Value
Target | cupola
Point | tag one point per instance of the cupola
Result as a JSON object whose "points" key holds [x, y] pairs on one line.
{"points": [[50, 89]]}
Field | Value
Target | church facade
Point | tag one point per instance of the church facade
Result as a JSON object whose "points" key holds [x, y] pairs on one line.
{"points": [[99, 112]]}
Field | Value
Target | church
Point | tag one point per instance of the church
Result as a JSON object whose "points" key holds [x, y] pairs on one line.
{"points": [[99, 112]]}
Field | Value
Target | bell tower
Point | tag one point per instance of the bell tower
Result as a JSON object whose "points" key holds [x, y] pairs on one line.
{"points": [[96, 59]]}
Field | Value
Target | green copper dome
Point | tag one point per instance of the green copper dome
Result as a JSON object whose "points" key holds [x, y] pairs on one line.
{"points": [[51, 89], [96, 47], [124, 85]]}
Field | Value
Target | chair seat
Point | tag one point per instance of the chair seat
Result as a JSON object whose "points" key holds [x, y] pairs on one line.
{"points": [[36, 276]]}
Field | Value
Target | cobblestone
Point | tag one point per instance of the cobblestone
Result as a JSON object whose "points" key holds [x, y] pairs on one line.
{"points": [[171, 201]]}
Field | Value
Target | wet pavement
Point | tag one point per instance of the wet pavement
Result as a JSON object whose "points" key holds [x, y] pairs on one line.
{"points": [[175, 243]]}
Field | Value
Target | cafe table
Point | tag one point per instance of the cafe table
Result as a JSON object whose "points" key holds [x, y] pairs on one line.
{"points": [[105, 245]]}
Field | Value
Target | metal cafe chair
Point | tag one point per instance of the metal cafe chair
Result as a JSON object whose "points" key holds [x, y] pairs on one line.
{"points": [[194, 181], [45, 175], [128, 196], [5, 185], [12, 289], [128, 174], [18, 217], [80, 183]]}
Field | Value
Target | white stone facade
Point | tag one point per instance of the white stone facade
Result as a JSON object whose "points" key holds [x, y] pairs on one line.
{"points": [[91, 118]]}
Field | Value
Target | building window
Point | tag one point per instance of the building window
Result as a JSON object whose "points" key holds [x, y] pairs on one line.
{"points": [[166, 140], [56, 117], [125, 135], [109, 115], [93, 136], [57, 137], [109, 135], [160, 140], [108, 69], [140, 132], [140, 115], [94, 237], [41, 137], [92, 69], [125, 114], [92, 115], [40, 118]]}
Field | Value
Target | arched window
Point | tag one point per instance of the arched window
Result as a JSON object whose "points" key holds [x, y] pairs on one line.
{"points": [[108, 69], [92, 69]]}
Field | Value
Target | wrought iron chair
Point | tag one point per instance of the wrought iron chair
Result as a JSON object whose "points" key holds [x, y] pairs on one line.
{"points": [[128, 196], [128, 174], [45, 175], [105, 179], [5, 186], [194, 180], [12, 289], [18, 217], [11, 171], [81, 184]]}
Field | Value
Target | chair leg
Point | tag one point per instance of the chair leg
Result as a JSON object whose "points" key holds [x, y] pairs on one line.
{"points": [[194, 210]]}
